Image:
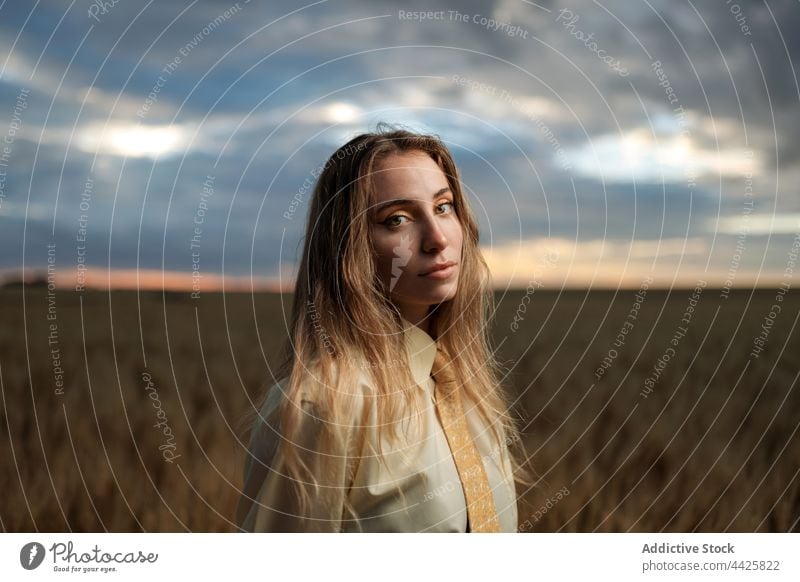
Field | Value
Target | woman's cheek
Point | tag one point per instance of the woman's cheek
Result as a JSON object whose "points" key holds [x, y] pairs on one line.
{"points": [[384, 253], [457, 234]]}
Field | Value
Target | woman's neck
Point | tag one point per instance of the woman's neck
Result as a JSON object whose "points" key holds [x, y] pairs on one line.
{"points": [[419, 316]]}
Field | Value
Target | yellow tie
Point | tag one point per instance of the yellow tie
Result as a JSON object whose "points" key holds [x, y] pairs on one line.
{"points": [[481, 513]]}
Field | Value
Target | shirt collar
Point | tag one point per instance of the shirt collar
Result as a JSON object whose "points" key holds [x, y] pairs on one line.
{"points": [[421, 349]]}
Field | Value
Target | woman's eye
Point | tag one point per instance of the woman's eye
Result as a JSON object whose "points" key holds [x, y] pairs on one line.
{"points": [[450, 204], [390, 221]]}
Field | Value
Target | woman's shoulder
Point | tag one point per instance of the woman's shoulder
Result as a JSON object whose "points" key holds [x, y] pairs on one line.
{"points": [[315, 388]]}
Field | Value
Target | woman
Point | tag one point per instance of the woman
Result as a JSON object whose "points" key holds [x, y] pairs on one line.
{"points": [[388, 415]]}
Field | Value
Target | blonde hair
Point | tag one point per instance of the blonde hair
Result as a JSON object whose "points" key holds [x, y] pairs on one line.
{"points": [[342, 315]]}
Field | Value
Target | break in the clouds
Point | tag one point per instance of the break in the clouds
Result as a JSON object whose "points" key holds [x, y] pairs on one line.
{"points": [[628, 138]]}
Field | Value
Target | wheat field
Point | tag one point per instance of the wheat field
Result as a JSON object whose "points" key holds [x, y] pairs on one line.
{"points": [[123, 412]]}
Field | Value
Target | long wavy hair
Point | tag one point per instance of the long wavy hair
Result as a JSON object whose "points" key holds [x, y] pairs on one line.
{"points": [[342, 317]]}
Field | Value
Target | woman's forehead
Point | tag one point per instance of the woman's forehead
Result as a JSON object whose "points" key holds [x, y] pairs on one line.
{"points": [[410, 175]]}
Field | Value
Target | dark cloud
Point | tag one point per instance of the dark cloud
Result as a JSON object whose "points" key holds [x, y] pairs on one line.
{"points": [[253, 93]]}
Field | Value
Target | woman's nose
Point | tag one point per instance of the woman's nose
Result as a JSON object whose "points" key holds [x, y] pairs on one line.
{"points": [[434, 238]]}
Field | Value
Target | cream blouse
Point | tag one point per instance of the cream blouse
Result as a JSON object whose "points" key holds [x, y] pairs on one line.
{"points": [[415, 487]]}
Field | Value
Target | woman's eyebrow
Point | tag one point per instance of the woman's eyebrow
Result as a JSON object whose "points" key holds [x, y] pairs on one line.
{"points": [[403, 201]]}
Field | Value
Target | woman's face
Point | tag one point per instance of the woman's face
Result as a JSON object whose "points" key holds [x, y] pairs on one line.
{"points": [[415, 229]]}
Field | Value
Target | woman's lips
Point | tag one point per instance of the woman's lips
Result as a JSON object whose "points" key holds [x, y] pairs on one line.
{"points": [[440, 273]]}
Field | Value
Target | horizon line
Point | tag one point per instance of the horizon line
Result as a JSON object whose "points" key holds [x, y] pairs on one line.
{"points": [[96, 279]]}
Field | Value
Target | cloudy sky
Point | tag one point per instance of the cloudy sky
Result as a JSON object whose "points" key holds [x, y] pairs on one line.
{"points": [[600, 142]]}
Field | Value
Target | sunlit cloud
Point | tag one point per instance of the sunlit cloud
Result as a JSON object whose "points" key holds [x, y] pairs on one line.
{"points": [[341, 113], [17, 69], [498, 103], [120, 105], [133, 140], [638, 155], [143, 279], [559, 262], [322, 113], [757, 224], [12, 73]]}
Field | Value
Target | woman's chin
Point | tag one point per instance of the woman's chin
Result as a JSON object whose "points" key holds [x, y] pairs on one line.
{"points": [[435, 297]]}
